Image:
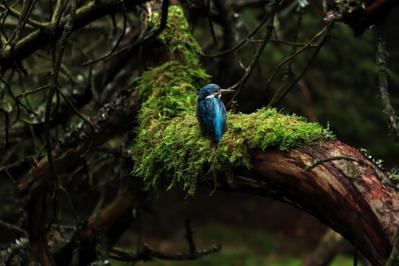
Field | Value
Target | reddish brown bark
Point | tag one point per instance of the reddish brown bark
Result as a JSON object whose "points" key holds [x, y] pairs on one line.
{"points": [[346, 195]]}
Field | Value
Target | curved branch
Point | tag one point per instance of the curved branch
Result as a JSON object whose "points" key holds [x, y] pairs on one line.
{"points": [[348, 196]]}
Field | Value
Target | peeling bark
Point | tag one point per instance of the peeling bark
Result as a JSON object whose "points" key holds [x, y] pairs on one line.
{"points": [[346, 195]]}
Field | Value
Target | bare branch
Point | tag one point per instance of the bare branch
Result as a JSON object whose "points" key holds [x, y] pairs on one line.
{"points": [[383, 77], [41, 37], [248, 71], [148, 253], [147, 37]]}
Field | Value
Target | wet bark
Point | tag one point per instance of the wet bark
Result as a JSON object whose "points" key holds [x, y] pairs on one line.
{"points": [[352, 196]]}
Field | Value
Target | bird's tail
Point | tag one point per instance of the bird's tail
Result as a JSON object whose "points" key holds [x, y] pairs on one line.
{"points": [[218, 136]]}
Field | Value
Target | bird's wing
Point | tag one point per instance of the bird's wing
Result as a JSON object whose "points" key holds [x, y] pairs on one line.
{"points": [[204, 112], [212, 116], [218, 117]]}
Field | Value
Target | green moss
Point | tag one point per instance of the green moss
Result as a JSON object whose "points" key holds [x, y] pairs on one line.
{"points": [[177, 37], [178, 151], [169, 142]]}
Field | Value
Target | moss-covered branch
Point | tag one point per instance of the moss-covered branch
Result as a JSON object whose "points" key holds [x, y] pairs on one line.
{"points": [[266, 153], [170, 146]]}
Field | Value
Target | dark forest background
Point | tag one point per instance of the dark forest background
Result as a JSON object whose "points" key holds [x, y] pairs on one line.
{"points": [[339, 90]]}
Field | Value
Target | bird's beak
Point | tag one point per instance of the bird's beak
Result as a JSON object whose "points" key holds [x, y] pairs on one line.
{"points": [[216, 94], [227, 90]]}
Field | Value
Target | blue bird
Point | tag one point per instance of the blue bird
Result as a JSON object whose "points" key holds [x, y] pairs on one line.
{"points": [[211, 112]]}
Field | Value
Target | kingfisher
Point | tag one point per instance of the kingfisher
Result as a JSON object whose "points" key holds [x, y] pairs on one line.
{"points": [[211, 112]]}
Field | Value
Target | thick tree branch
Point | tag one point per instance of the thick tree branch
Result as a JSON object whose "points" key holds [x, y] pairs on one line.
{"points": [[348, 196], [116, 117], [111, 223], [148, 253]]}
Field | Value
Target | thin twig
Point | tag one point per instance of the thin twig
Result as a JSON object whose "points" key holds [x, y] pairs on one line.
{"points": [[13, 227], [292, 56], [383, 77], [110, 53], [81, 116], [57, 59], [148, 254], [27, 7], [286, 42], [190, 239], [29, 92], [149, 36], [30, 21], [17, 102], [279, 95], [377, 171], [248, 71], [393, 259], [333, 158], [209, 17], [241, 43]]}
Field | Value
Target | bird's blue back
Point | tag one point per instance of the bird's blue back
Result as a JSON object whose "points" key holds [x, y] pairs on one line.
{"points": [[211, 112]]}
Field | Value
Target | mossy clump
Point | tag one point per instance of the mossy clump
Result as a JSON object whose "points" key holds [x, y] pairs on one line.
{"points": [[170, 147], [179, 152], [177, 38]]}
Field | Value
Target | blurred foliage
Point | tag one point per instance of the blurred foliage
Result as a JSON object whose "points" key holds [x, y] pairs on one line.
{"points": [[246, 247]]}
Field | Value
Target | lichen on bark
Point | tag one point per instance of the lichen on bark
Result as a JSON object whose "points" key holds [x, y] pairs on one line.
{"points": [[170, 148]]}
